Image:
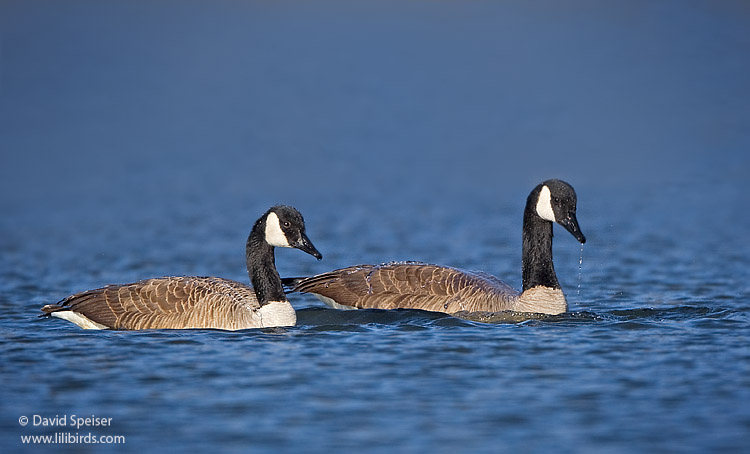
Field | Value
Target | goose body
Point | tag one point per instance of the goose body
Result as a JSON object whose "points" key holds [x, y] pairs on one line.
{"points": [[181, 302], [415, 285]]}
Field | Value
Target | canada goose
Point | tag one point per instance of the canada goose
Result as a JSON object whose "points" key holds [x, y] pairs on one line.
{"points": [[200, 302], [414, 285]]}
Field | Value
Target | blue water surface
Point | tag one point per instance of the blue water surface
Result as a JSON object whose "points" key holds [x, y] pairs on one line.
{"points": [[143, 139]]}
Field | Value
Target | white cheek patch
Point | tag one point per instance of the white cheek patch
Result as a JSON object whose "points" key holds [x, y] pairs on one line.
{"points": [[274, 235], [544, 205]]}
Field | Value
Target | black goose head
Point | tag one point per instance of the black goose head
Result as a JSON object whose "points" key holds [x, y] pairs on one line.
{"points": [[556, 202], [285, 227]]}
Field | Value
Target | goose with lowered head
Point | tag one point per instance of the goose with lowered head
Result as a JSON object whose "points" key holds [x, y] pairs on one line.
{"points": [[415, 285]]}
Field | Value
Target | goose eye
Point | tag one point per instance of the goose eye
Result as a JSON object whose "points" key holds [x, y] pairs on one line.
{"points": [[287, 224]]}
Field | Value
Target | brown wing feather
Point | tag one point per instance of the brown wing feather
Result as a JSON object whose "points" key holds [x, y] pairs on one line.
{"points": [[412, 285], [168, 302]]}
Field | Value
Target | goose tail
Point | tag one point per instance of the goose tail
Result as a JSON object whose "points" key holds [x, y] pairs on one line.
{"points": [[50, 308], [290, 283]]}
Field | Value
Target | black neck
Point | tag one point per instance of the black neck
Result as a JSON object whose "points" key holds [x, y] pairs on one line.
{"points": [[538, 269], [261, 266]]}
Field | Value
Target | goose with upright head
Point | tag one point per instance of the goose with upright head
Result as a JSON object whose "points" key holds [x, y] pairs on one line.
{"points": [[181, 302], [414, 285]]}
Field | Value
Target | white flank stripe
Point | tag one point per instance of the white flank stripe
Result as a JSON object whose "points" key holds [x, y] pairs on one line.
{"points": [[330, 302], [79, 319]]}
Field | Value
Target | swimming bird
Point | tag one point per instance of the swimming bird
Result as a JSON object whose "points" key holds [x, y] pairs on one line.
{"points": [[180, 302], [416, 285]]}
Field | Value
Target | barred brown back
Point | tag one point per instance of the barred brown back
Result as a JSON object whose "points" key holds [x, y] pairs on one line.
{"points": [[168, 302], [412, 285]]}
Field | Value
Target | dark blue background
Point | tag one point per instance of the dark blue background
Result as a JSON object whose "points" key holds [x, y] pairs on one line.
{"points": [[142, 138], [106, 103]]}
